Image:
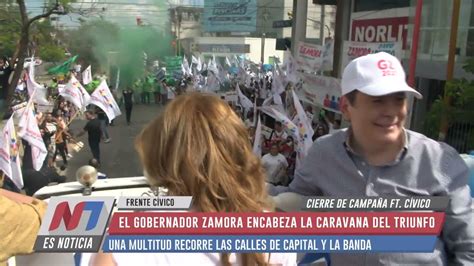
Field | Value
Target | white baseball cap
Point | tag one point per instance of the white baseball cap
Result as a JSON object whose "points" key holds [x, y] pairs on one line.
{"points": [[376, 75]]}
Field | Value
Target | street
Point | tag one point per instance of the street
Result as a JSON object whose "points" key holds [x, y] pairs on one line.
{"points": [[119, 158]]}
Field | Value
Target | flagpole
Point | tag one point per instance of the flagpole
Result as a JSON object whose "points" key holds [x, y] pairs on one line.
{"points": [[73, 117]]}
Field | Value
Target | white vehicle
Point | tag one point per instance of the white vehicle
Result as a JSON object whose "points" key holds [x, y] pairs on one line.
{"points": [[116, 187]]}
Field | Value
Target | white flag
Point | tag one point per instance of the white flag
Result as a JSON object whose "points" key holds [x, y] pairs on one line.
{"points": [[277, 84], [304, 126], [227, 62], [187, 69], [10, 159], [291, 70], [287, 124], [87, 75], [212, 83], [212, 66], [102, 98], [257, 143], [30, 132], [74, 92], [40, 95], [277, 99], [245, 102], [194, 60], [199, 64]]}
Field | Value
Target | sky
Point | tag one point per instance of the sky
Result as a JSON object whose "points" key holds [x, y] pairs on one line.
{"points": [[122, 12]]}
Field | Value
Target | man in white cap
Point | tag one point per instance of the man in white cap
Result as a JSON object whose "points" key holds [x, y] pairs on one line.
{"points": [[377, 156]]}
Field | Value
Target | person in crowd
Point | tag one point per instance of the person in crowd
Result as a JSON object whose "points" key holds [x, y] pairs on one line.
{"points": [[5, 72], [199, 147], [104, 121], [319, 132], [48, 131], [249, 122], [275, 165], [60, 138], [164, 93], [378, 156], [128, 100], [20, 220], [278, 135], [35, 180], [94, 133]]}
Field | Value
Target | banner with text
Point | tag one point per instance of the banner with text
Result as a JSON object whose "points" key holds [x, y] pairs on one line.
{"points": [[230, 16], [312, 57], [352, 50]]}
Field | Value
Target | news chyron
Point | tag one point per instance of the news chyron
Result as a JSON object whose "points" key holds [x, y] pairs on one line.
{"points": [[165, 224]]}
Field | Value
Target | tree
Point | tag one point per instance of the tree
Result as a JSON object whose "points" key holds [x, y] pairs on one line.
{"points": [[58, 7], [459, 111], [25, 25], [51, 53]]}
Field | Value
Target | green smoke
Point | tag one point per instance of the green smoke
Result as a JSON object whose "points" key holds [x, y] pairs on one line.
{"points": [[134, 43], [106, 46]]}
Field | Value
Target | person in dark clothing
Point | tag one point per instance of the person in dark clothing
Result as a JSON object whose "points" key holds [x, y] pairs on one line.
{"points": [[5, 72], [104, 121], [127, 96], [94, 133], [35, 180]]}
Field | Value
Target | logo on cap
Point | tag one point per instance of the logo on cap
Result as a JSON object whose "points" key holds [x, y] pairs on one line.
{"points": [[386, 66]]}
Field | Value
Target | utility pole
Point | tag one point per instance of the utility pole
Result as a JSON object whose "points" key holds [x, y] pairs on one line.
{"points": [[321, 25], [178, 42], [298, 30], [262, 41]]}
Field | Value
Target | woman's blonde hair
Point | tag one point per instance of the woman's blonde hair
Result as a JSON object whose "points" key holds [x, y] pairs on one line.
{"points": [[199, 147]]}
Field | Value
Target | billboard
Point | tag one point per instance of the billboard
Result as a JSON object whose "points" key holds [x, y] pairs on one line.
{"points": [[230, 15], [389, 29]]}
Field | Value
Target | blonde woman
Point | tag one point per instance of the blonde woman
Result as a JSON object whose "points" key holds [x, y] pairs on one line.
{"points": [[199, 147]]}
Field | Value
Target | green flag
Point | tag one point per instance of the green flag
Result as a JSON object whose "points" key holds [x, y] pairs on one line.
{"points": [[63, 68]]}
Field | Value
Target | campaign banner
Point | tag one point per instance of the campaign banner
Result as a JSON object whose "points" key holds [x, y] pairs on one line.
{"points": [[352, 50], [241, 244], [309, 56], [230, 16], [321, 91]]}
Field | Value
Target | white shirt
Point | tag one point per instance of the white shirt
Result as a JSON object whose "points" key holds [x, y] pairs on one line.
{"points": [[274, 166], [279, 135]]}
